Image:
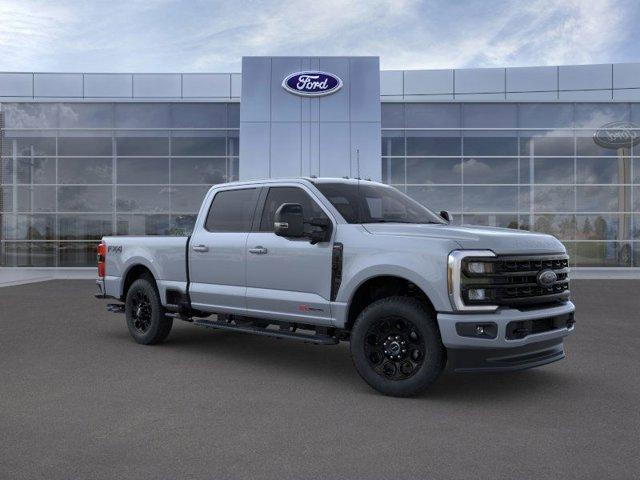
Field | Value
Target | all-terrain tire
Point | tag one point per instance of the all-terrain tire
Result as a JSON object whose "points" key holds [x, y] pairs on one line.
{"points": [[396, 346], [146, 317]]}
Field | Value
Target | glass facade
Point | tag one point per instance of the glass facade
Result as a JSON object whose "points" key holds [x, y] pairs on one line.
{"points": [[73, 172], [532, 166]]}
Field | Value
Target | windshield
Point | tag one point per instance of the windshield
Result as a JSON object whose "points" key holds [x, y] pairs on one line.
{"points": [[367, 203]]}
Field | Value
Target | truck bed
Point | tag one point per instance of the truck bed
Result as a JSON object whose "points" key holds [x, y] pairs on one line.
{"points": [[164, 256]]}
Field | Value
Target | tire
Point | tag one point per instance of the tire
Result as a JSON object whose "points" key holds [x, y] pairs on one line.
{"points": [[146, 319], [396, 346]]}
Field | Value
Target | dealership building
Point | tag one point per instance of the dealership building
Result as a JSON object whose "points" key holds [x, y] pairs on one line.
{"points": [[550, 149]]}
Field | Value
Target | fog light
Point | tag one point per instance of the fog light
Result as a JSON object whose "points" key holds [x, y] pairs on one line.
{"points": [[477, 330], [477, 294]]}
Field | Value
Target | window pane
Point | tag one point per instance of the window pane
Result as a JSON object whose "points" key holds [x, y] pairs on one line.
{"points": [[490, 170], [490, 199], [603, 254], [434, 170], [545, 115], [392, 143], [211, 145], [553, 170], [432, 115], [562, 227], [30, 115], [34, 227], [544, 145], [554, 199], [142, 224], [233, 142], [42, 254], [143, 199], [84, 227], [392, 115], [585, 145], [209, 171], [37, 199], [603, 170], [142, 146], [29, 146], [6, 170], [505, 221], [393, 170], [279, 195], [603, 199], [603, 227], [187, 199], [75, 254], [438, 198], [91, 146], [93, 115], [491, 144], [85, 170], [199, 115], [487, 115], [233, 113], [598, 114], [142, 170], [182, 224], [142, 115], [36, 170], [6, 199], [85, 199], [425, 144], [232, 211]]}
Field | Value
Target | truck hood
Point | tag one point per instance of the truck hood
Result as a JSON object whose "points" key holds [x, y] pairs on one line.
{"points": [[503, 241]]}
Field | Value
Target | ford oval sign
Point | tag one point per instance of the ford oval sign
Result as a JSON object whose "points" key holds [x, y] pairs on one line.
{"points": [[617, 135], [312, 84]]}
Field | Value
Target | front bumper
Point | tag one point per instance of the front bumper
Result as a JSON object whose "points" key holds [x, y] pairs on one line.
{"points": [[501, 349]]}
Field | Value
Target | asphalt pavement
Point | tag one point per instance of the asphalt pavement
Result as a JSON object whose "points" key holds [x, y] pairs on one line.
{"points": [[80, 400]]}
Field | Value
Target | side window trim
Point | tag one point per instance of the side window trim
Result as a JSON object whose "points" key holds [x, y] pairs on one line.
{"points": [[224, 190], [260, 204]]}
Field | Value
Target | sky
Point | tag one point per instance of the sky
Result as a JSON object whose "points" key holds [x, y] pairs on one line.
{"points": [[212, 36]]}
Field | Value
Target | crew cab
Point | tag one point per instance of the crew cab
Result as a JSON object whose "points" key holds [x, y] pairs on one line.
{"points": [[325, 260]]}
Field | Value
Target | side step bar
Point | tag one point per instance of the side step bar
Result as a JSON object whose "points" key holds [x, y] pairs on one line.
{"points": [[315, 339]]}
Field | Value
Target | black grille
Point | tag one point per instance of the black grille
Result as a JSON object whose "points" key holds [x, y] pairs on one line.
{"points": [[513, 281]]}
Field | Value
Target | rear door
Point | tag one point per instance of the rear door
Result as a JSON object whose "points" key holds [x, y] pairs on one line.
{"points": [[288, 278], [218, 254]]}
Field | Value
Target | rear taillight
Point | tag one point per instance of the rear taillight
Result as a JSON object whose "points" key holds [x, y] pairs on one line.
{"points": [[102, 256]]}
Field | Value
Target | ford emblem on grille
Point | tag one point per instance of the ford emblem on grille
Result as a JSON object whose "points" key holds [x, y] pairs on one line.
{"points": [[312, 83], [546, 278]]}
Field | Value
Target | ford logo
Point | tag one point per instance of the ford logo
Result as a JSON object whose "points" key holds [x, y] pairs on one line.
{"points": [[312, 84], [546, 278], [617, 135]]}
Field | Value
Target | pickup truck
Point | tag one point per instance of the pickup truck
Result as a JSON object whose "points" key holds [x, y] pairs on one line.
{"points": [[329, 260]]}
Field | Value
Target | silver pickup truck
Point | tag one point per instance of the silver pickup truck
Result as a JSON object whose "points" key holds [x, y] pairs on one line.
{"points": [[325, 260]]}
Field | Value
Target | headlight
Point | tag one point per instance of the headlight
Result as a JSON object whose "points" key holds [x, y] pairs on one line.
{"points": [[456, 277]]}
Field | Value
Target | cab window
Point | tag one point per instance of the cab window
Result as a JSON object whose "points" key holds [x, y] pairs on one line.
{"points": [[232, 210], [279, 195]]}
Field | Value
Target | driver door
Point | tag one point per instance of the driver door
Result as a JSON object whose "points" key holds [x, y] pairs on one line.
{"points": [[288, 278]]}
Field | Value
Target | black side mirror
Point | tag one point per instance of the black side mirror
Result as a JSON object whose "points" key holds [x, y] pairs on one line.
{"points": [[321, 231], [289, 221], [446, 216]]}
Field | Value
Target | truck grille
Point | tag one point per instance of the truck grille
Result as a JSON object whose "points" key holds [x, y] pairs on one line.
{"points": [[516, 280]]}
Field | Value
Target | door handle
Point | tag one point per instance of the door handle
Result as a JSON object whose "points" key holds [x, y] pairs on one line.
{"points": [[259, 250], [200, 248]]}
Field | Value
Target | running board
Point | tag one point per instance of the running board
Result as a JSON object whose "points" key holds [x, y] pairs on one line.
{"points": [[265, 332]]}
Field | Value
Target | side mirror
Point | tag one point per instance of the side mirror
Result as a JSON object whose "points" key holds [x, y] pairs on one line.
{"points": [[446, 216], [321, 231], [289, 221]]}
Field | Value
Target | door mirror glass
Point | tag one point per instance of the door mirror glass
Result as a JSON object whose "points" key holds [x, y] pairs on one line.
{"points": [[289, 220], [446, 216]]}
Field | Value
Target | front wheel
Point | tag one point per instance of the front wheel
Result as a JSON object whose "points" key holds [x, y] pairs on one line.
{"points": [[146, 318], [396, 346]]}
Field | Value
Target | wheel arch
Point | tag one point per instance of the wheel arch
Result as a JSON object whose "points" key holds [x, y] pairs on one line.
{"points": [[133, 273]]}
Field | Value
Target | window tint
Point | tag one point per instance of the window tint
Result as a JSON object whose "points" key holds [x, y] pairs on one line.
{"points": [[279, 195], [232, 211]]}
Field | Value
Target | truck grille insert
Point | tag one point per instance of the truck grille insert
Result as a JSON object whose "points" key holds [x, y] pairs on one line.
{"points": [[515, 281]]}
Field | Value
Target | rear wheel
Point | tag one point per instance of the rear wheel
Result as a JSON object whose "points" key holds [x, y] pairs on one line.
{"points": [[146, 318], [396, 346]]}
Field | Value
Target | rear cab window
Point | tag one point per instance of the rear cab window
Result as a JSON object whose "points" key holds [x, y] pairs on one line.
{"points": [[232, 210]]}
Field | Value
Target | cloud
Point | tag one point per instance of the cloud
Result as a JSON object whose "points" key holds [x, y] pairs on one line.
{"points": [[165, 35]]}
